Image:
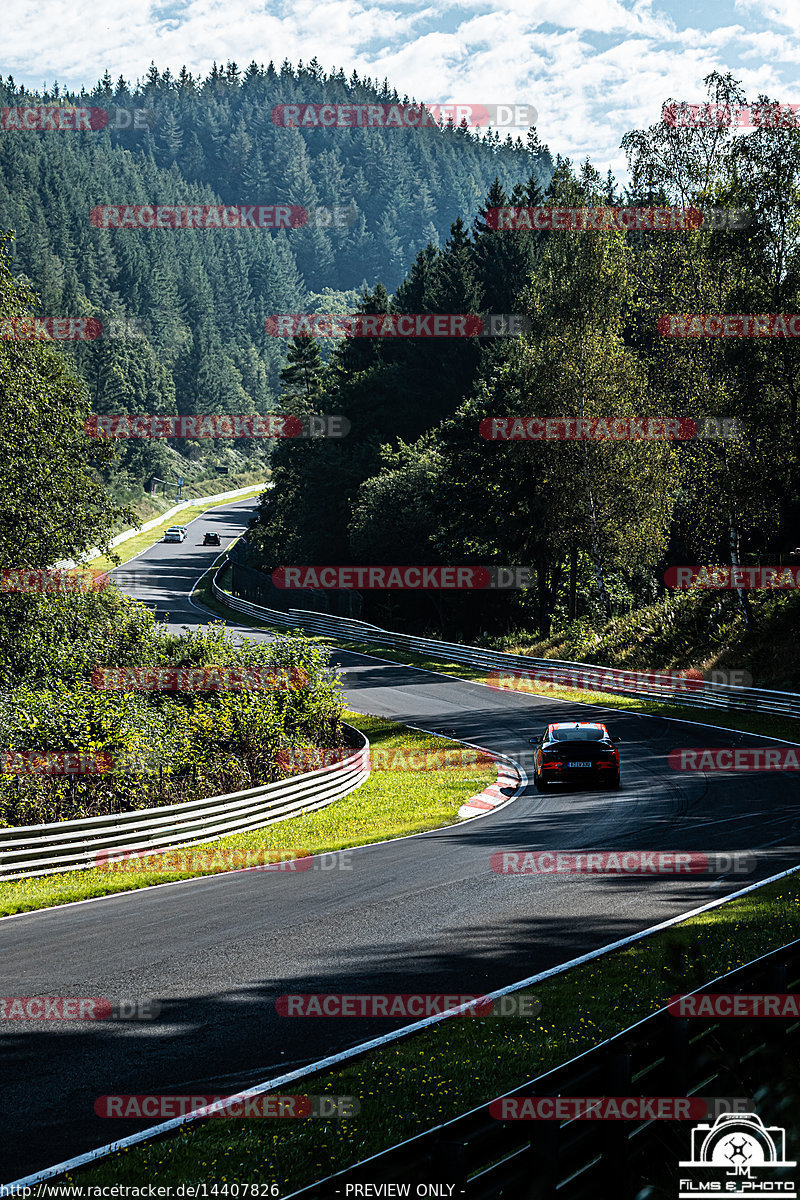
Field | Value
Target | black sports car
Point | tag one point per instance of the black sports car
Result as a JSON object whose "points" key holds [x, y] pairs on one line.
{"points": [[575, 751], [211, 539]]}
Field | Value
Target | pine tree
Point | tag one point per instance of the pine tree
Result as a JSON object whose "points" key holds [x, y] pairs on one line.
{"points": [[302, 375]]}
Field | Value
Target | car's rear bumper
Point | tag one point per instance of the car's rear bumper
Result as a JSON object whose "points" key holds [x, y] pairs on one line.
{"points": [[588, 775]]}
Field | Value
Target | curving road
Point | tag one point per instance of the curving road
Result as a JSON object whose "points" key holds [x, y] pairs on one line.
{"points": [[423, 914]]}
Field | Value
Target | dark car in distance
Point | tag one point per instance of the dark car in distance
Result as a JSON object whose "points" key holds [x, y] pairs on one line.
{"points": [[575, 752], [211, 539]]}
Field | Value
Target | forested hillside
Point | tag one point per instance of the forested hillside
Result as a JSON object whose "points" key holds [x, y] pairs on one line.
{"points": [[200, 297], [416, 483]]}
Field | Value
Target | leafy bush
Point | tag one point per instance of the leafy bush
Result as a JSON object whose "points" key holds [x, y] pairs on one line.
{"points": [[165, 747]]}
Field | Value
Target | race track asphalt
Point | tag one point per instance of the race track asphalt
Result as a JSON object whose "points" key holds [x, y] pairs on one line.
{"points": [[422, 914]]}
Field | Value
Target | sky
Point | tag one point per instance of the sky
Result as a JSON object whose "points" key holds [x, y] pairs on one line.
{"points": [[592, 69]]}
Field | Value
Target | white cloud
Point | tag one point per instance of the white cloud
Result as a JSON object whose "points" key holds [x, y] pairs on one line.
{"points": [[593, 69]]}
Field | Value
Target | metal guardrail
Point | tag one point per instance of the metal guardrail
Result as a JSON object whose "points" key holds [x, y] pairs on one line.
{"points": [[486, 1158], [356, 1053], [649, 686], [30, 850]]}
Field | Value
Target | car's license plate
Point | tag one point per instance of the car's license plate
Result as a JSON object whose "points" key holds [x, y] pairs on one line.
{"points": [[581, 764]]}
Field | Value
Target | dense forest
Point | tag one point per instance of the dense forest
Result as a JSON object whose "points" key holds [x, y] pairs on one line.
{"points": [[54, 641], [196, 300], [415, 482]]}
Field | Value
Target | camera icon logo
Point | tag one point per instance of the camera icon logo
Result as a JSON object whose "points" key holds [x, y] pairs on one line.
{"points": [[739, 1142]]}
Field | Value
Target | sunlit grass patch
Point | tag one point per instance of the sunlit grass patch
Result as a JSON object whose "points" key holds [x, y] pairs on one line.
{"points": [[392, 803]]}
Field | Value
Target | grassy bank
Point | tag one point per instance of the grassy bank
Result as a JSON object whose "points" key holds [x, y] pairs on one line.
{"points": [[392, 803], [769, 726], [148, 505], [703, 628]]}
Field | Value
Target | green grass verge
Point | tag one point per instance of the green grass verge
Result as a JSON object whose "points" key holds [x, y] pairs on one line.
{"points": [[391, 803], [143, 541], [430, 1077], [702, 627], [769, 726]]}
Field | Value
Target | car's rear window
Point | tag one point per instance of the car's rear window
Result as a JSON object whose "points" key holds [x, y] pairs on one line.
{"points": [[577, 735]]}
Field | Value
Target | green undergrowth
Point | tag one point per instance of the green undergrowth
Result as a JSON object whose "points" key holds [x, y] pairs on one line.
{"points": [[391, 803], [702, 628]]}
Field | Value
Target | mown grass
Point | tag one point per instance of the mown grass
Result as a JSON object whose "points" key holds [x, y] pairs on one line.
{"points": [[392, 803], [430, 1077]]}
